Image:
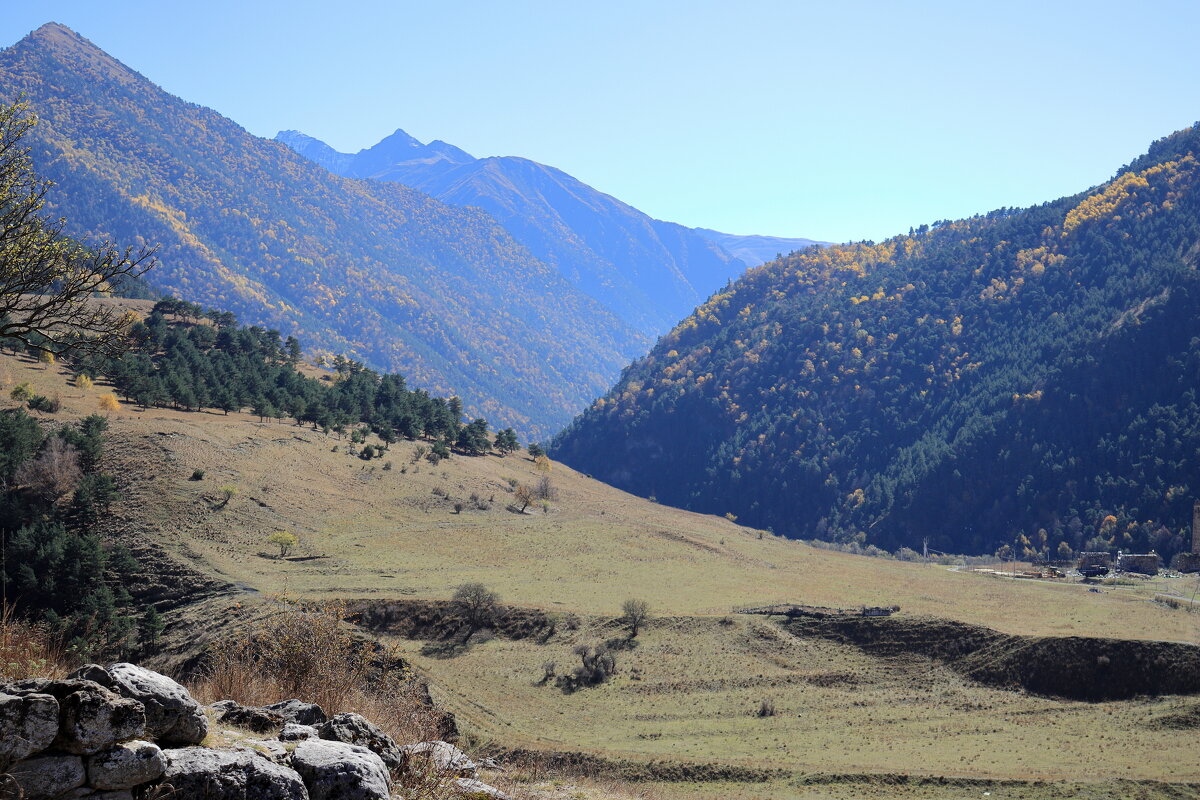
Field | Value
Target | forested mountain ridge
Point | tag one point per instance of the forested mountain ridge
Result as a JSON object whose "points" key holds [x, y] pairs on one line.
{"points": [[1025, 379], [648, 272], [379, 271]]}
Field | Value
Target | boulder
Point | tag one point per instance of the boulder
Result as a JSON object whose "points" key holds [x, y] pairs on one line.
{"points": [[48, 776], [356, 729], [28, 725], [90, 717], [230, 775], [476, 790], [125, 765], [299, 712], [172, 716], [91, 720], [273, 749], [120, 794], [339, 771], [259, 720], [297, 733], [443, 757]]}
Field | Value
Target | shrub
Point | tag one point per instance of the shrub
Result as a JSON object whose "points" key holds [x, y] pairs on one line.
{"points": [[598, 663], [54, 473], [197, 475], [45, 404], [766, 708], [308, 652], [108, 402], [29, 649], [228, 492]]}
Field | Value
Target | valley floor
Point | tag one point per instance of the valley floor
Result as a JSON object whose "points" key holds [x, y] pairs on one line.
{"points": [[690, 686]]}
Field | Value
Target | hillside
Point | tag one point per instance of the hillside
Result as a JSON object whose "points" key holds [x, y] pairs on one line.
{"points": [[379, 271], [1023, 379], [685, 693], [647, 272]]}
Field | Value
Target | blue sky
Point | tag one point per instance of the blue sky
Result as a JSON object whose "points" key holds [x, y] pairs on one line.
{"points": [[835, 120]]}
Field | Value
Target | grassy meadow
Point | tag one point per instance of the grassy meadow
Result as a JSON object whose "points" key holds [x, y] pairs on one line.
{"points": [[690, 686]]}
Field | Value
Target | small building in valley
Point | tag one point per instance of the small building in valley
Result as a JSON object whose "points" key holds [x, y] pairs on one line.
{"points": [[1095, 560], [1142, 563]]}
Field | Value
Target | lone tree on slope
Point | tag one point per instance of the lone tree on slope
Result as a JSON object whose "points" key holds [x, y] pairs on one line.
{"points": [[477, 604], [634, 614], [284, 541]]}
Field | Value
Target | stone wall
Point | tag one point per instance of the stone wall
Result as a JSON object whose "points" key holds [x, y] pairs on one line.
{"points": [[123, 731]]}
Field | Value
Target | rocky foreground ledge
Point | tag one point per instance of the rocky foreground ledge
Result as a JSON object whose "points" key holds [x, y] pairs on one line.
{"points": [[125, 732]]}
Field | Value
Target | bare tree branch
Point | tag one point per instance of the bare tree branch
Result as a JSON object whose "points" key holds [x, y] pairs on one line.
{"points": [[48, 281]]}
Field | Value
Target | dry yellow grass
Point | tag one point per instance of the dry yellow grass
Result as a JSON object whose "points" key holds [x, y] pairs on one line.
{"points": [[691, 687], [367, 532]]}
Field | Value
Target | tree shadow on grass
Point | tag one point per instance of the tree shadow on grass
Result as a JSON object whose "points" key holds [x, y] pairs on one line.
{"points": [[455, 646], [444, 649]]}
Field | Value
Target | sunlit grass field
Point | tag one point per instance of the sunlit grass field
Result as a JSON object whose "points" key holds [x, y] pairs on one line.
{"points": [[690, 688]]}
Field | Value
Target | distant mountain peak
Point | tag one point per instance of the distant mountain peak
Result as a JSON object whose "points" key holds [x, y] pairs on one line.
{"points": [[397, 140], [62, 43], [59, 37]]}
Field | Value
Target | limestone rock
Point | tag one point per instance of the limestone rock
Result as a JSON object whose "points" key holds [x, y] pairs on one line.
{"points": [[299, 712], [125, 765], [48, 776], [293, 732], [441, 756], [477, 790], [172, 716], [271, 748], [259, 720], [90, 717], [91, 721], [28, 725], [340, 771], [356, 729], [230, 775]]}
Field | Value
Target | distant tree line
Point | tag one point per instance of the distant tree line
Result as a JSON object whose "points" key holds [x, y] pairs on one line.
{"points": [[186, 357]]}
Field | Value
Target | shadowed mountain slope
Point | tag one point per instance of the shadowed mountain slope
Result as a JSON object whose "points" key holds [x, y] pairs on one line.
{"points": [[648, 272], [1025, 379]]}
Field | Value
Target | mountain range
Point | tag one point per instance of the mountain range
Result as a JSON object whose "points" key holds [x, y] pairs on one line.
{"points": [[379, 271], [1023, 381], [649, 273]]}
